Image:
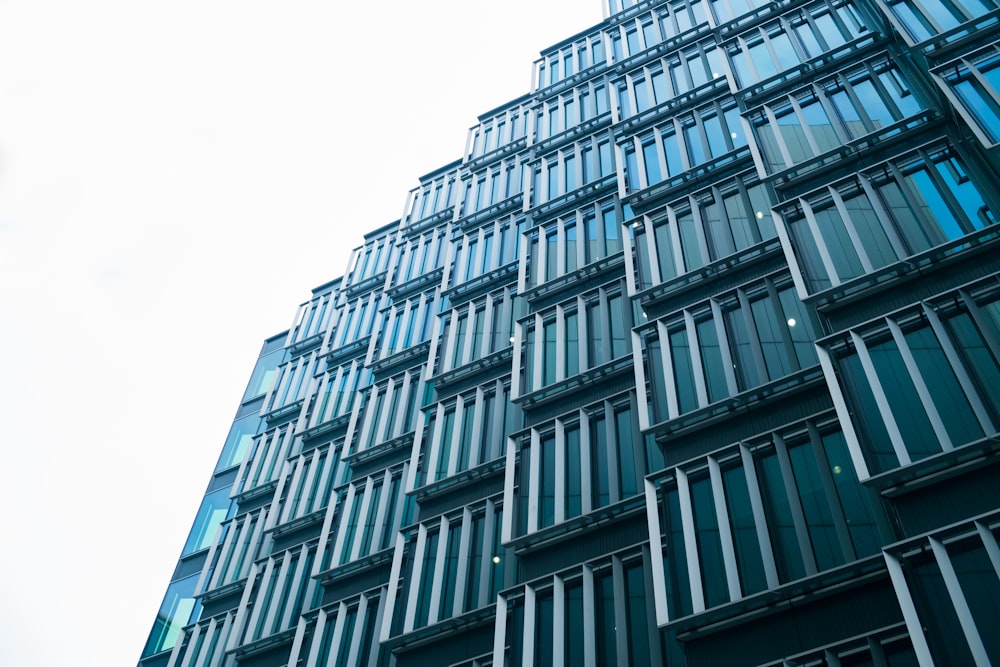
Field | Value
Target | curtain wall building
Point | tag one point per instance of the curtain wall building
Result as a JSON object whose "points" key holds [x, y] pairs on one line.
{"points": [[692, 358]]}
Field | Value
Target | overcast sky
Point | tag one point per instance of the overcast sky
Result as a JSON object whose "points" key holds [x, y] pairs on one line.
{"points": [[174, 178]]}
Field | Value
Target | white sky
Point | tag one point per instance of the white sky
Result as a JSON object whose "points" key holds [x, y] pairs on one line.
{"points": [[174, 178]]}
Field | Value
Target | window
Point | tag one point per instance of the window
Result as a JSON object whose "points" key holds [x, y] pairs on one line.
{"points": [[707, 134], [292, 382], [422, 255], [231, 558], [924, 19], [432, 197], [179, 607], [342, 634], [369, 260], [824, 117], [795, 37], [498, 131], [389, 410], [699, 229], [666, 78], [581, 462], [308, 482], [408, 323], [281, 592], [903, 208], [356, 320], [916, 381], [269, 451], [369, 512], [467, 431], [338, 391], [485, 249], [600, 322], [454, 564], [564, 171], [573, 240], [601, 609], [974, 81], [733, 343], [760, 514]]}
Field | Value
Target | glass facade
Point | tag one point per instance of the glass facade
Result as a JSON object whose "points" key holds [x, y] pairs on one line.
{"points": [[691, 358]]}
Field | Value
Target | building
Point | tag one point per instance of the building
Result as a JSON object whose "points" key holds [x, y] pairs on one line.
{"points": [[693, 358]]}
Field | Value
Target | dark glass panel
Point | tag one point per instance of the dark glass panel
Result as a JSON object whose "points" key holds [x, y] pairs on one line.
{"points": [[942, 384], [741, 520], [854, 499], [706, 523], [638, 620], [782, 527], [815, 508], [909, 413]]}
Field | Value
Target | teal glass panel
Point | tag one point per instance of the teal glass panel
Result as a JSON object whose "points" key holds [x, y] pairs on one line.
{"points": [[783, 49], [866, 416], [742, 350], [238, 442], [870, 229], [543, 629], [854, 500], [450, 579], [978, 579], [779, 518], [680, 355], [547, 481], [215, 508], [696, 149], [741, 520], [909, 413], [942, 384], [179, 608], [619, 334], [599, 478], [651, 159], [628, 474], [838, 243], [820, 126], [706, 524], [444, 450], [690, 243], [604, 619], [675, 557], [497, 560], [801, 325], [573, 472], [632, 168], [954, 177], [672, 152], [819, 520], [711, 361], [930, 201], [657, 381], [573, 604], [549, 353], [982, 364], [426, 580], [639, 630], [477, 539], [768, 327], [665, 252]]}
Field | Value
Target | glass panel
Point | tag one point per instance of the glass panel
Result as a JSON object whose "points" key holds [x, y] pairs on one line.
{"points": [[741, 520], [819, 520], [638, 621], [213, 511], [911, 418], [854, 499], [680, 355], [711, 361], [782, 527], [706, 523]]}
